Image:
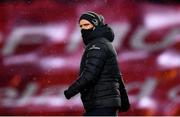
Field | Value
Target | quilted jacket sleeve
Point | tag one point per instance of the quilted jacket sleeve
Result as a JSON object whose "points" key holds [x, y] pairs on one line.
{"points": [[95, 59]]}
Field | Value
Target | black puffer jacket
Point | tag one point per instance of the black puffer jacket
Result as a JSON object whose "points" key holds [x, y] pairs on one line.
{"points": [[99, 73]]}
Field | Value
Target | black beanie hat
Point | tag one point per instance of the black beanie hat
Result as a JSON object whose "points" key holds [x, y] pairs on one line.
{"points": [[93, 18]]}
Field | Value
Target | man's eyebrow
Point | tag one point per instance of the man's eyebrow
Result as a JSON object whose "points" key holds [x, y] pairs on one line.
{"points": [[84, 24]]}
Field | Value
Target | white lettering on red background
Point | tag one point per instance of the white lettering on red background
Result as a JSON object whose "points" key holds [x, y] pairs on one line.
{"points": [[137, 40], [10, 97]]}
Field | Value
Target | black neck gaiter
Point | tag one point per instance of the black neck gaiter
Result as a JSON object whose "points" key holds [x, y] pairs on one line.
{"points": [[85, 33]]}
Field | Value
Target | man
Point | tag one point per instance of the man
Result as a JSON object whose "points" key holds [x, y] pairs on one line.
{"points": [[99, 80]]}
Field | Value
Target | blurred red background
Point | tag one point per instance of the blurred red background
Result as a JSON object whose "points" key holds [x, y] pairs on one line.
{"points": [[41, 48]]}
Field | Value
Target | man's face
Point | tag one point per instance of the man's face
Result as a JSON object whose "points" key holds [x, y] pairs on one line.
{"points": [[85, 24]]}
